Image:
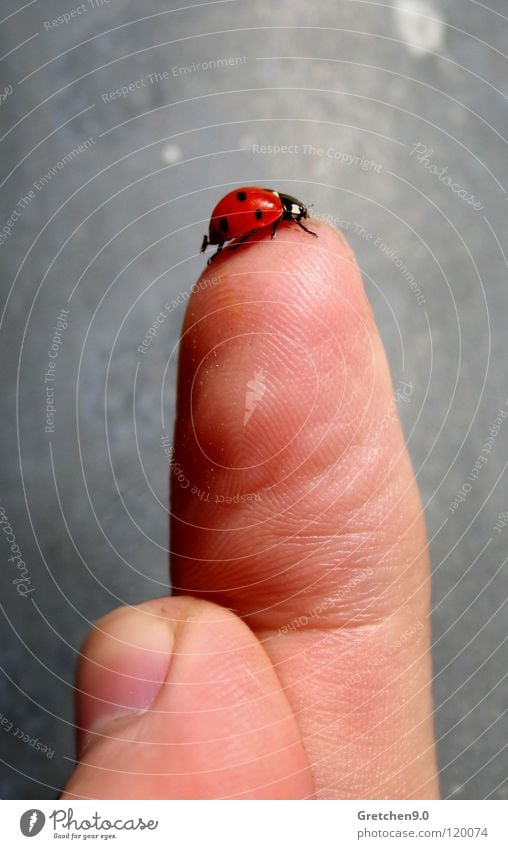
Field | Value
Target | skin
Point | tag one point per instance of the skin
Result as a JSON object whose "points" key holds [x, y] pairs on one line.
{"points": [[292, 660]]}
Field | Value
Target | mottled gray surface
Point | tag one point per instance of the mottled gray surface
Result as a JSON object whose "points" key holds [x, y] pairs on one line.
{"points": [[113, 236]]}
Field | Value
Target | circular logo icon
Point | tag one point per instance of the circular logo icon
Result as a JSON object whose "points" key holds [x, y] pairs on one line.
{"points": [[32, 822]]}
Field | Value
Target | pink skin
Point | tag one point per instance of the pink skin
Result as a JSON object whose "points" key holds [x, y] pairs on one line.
{"points": [[293, 661]]}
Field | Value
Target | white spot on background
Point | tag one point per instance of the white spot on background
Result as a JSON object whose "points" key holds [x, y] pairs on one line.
{"points": [[170, 154], [247, 141], [419, 25]]}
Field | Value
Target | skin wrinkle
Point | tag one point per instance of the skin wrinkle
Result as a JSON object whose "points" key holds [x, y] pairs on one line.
{"points": [[350, 539]]}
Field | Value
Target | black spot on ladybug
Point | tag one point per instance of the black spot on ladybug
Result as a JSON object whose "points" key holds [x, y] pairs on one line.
{"points": [[224, 225], [241, 195], [258, 214]]}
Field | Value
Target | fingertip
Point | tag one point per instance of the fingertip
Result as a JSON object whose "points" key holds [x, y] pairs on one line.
{"points": [[123, 663], [178, 699]]}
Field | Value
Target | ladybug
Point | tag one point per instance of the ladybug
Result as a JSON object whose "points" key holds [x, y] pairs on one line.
{"points": [[243, 211]]}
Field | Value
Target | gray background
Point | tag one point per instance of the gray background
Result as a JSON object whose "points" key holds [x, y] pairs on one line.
{"points": [[115, 234]]}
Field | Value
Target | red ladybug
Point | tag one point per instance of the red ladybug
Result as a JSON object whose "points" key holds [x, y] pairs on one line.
{"points": [[243, 211]]}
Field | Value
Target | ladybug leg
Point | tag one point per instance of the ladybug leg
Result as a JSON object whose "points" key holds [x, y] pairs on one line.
{"points": [[242, 240], [215, 254], [297, 221], [204, 244]]}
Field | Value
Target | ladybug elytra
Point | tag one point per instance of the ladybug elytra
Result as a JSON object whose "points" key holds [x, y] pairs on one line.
{"points": [[244, 211]]}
